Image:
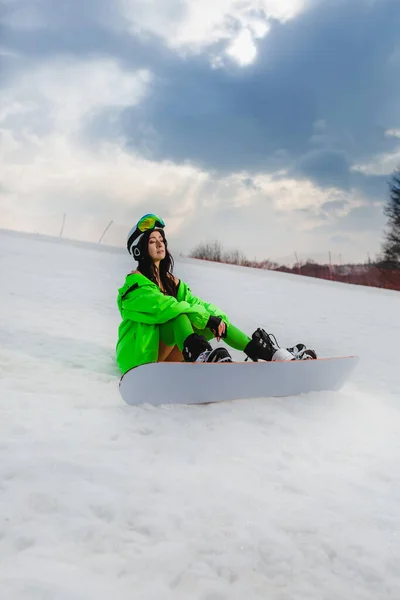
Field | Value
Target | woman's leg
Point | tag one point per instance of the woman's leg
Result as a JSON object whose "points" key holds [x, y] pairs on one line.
{"points": [[236, 338], [172, 336], [164, 351], [169, 353], [175, 356], [174, 333]]}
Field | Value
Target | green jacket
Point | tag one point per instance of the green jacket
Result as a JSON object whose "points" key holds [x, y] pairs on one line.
{"points": [[143, 307]]}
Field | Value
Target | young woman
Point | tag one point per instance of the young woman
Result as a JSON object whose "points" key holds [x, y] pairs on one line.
{"points": [[163, 321]]}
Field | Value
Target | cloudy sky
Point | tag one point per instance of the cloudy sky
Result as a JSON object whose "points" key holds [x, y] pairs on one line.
{"points": [[270, 125]]}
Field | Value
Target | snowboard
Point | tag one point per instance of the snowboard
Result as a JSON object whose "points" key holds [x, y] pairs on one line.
{"points": [[204, 383]]}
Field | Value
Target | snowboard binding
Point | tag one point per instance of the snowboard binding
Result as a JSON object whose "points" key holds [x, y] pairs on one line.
{"points": [[301, 352], [197, 349]]}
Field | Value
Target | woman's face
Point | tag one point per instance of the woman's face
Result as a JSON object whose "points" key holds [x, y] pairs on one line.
{"points": [[156, 246]]}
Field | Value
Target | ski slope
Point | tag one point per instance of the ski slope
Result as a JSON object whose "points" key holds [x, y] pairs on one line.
{"points": [[281, 499]]}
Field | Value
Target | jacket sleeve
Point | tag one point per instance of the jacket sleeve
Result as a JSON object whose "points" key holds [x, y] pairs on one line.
{"points": [[146, 304], [185, 294]]}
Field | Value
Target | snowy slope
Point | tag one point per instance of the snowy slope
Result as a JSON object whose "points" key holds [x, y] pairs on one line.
{"points": [[277, 499]]}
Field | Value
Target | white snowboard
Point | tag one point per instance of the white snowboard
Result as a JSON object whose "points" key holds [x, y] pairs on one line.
{"points": [[201, 383]]}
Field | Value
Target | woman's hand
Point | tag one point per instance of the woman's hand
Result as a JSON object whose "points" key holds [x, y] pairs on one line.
{"points": [[221, 331], [217, 326]]}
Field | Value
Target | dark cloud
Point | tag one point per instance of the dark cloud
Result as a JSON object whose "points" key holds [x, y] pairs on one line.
{"points": [[323, 91], [335, 63], [88, 30], [329, 168], [326, 167]]}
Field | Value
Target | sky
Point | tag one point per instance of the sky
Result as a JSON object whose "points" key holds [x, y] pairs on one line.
{"points": [[271, 126]]}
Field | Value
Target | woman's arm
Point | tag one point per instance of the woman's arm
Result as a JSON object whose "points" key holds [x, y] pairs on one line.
{"points": [[145, 303], [185, 294]]}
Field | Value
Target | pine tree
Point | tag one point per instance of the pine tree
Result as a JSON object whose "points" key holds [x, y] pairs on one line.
{"points": [[391, 245]]}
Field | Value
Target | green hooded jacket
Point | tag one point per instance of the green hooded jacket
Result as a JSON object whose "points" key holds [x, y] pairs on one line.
{"points": [[143, 307]]}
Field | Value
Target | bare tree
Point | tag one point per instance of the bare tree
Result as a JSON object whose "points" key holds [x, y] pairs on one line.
{"points": [[391, 245], [208, 251], [235, 257]]}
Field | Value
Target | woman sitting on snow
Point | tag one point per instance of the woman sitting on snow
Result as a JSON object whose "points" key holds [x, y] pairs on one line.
{"points": [[163, 321]]}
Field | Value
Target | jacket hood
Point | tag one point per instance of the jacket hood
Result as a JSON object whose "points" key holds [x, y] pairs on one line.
{"points": [[132, 282]]}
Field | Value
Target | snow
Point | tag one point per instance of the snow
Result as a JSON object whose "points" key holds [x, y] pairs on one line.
{"points": [[286, 499]]}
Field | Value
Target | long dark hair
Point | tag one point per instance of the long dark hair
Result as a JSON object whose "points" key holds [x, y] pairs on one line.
{"points": [[148, 269]]}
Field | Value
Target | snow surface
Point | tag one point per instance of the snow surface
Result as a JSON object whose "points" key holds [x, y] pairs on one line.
{"points": [[279, 499]]}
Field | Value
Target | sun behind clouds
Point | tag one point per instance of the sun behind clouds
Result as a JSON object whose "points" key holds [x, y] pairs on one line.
{"points": [[194, 25]]}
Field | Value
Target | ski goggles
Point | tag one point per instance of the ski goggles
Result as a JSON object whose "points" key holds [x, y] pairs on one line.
{"points": [[146, 223]]}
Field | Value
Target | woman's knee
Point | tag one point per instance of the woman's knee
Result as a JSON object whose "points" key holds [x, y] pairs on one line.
{"points": [[181, 320]]}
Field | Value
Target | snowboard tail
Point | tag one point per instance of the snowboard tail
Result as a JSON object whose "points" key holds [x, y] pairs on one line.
{"points": [[202, 383]]}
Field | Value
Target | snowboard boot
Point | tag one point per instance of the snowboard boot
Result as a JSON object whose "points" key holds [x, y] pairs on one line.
{"points": [[301, 352], [263, 346], [197, 349]]}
